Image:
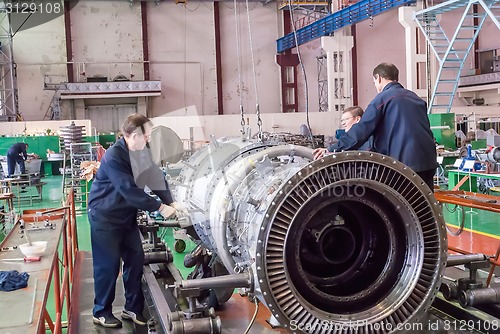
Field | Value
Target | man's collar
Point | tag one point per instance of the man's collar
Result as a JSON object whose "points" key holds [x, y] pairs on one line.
{"points": [[390, 84]]}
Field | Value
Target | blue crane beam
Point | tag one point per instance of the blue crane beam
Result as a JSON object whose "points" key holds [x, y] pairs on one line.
{"points": [[352, 14]]}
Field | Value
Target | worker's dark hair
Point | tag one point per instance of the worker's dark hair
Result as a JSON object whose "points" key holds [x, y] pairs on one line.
{"points": [[26, 145], [387, 71], [354, 111], [134, 122]]}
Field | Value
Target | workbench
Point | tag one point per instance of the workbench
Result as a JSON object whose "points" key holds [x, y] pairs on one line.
{"points": [[469, 199], [470, 184], [17, 307]]}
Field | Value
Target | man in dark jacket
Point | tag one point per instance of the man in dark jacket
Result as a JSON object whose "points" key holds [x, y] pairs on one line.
{"points": [[17, 154], [397, 120], [115, 196]]}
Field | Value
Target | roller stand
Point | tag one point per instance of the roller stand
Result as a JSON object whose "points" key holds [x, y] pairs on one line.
{"points": [[158, 257], [155, 251], [197, 326], [453, 290], [198, 318], [479, 296], [195, 309], [152, 241]]}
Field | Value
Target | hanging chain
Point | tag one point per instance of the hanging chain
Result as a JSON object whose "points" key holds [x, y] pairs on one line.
{"points": [[242, 121], [238, 57], [257, 110], [259, 123]]}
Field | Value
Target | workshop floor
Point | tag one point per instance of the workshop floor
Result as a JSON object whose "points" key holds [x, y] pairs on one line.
{"points": [[481, 231]]}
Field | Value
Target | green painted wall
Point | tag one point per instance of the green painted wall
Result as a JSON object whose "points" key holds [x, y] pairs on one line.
{"points": [[37, 144], [444, 137], [40, 144], [105, 140]]}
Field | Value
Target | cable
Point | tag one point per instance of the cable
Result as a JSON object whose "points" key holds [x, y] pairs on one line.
{"points": [[185, 57], [256, 301], [306, 87], [252, 53], [238, 58], [22, 24], [257, 108], [462, 223], [451, 210]]}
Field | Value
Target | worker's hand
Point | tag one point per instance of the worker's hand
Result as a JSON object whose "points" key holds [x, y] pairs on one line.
{"points": [[319, 153], [181, 208], [167, 211]]}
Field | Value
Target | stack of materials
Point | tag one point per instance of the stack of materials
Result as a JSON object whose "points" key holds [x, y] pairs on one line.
{"points": [[69, 135]]}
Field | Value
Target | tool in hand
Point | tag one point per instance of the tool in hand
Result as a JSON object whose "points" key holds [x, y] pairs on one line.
{"points": [[25, 259]]}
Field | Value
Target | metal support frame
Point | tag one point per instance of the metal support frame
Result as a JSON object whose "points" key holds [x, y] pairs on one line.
{"points": [[289, 92], [8, 84], [288, 63], [451, 52], [307, 11], [413, 57], [353, 14], [54, 109], [338, 51], [322, 83]]}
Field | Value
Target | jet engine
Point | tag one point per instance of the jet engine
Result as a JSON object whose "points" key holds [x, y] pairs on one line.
{"points": [[355, 239]]}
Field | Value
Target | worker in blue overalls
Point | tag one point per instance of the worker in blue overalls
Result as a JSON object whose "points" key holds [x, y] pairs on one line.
{"points": [[115, 196], [397, 119], [17, 155]]}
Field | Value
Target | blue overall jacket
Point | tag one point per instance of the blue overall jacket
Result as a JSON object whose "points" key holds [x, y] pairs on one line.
{"points": [[117, 191], [397, 120]]}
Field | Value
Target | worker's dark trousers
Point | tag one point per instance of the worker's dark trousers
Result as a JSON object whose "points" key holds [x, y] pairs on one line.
{"points": [[12, 159], [109, 244], [428, 177]]}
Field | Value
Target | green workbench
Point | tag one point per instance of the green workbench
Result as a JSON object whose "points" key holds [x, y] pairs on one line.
{"points": [[454, 177]]}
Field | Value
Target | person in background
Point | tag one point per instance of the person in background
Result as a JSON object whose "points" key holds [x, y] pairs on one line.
{"points": [[351, 116], [17, 155], [397, 120], [116, 194]]}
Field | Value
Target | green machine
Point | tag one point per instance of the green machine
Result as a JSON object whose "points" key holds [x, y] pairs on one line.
{"points": [[443, 128]]}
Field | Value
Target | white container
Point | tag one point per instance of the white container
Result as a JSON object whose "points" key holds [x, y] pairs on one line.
{"points": [[55, 156], [32, 167], [37, 248]]}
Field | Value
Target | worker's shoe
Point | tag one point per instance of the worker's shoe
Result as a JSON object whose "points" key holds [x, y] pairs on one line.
{"points": [[108, 321], [137, 318]]}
